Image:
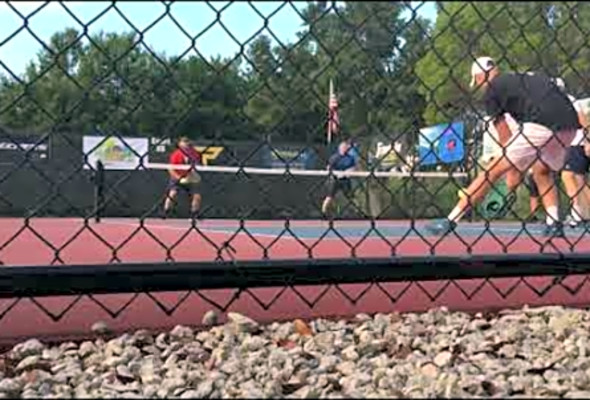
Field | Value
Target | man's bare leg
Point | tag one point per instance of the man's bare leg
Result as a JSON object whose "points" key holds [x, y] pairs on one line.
{"points": [[170, 201], [549, 194], [195, 205], [575, 186], [534, 205], [326, 204]]}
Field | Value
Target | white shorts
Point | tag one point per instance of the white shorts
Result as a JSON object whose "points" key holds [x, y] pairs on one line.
{"points": [[533, 142]]}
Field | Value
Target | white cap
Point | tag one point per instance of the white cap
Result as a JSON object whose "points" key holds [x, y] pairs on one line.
{"points": [[560, 83], [480, 66]]}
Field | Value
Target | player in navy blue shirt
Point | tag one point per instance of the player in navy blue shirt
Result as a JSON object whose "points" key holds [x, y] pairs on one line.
{"points": [[343, 160]]}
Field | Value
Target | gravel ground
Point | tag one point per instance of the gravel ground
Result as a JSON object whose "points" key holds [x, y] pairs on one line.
{"points": [[543, 352]]}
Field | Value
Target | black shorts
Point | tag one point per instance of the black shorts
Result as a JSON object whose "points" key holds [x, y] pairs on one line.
{"points": [[531, 185], [576, 160], [189, 188], [335, 185]]}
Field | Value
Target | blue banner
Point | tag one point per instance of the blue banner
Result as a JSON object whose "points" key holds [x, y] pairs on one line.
{"points": [[293, 157], [442, 143]]}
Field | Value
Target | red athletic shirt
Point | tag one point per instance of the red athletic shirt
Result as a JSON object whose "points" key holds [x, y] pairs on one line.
{"points": [[183, 157]]}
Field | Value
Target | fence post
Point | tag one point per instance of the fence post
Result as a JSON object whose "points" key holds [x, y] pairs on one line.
{"points": [[98, 190]]}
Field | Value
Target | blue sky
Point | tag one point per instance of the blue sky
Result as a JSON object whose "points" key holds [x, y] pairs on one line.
{"points": [[18, 47]]}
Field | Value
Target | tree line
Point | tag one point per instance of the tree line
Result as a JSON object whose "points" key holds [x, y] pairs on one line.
{"points": [[392, 75]]}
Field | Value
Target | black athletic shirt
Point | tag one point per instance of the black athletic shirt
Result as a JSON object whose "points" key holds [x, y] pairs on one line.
{"points": [[531, 98]]}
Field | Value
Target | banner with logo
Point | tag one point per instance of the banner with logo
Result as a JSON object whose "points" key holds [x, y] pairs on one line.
{"points": [[387, 155], [161, 148], [441, 144], [14, 148], [295, 157], [115, 153]]}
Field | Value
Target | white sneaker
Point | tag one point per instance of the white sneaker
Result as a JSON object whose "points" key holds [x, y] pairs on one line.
{"points": [[572, 222]]}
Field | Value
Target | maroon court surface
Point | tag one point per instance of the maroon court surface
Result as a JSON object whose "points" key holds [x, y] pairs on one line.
{"points": [[41, 242]]}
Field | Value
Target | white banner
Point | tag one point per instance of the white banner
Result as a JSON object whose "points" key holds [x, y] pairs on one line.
{"points": [[115, 153]]}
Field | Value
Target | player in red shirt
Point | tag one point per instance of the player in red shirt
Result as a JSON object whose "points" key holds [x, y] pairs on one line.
{"points": [[184, 179]]}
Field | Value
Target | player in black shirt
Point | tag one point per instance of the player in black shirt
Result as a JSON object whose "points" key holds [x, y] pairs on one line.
{"points": [[547, 124]]}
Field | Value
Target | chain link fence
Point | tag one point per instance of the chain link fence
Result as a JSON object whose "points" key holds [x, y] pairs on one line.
{"points": [[227, 133]]}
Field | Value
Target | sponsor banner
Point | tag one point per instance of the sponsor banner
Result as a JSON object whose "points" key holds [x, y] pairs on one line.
{"points": [[115, 153], [160, 150], [280, 156], [15, 148], [387, 155]]}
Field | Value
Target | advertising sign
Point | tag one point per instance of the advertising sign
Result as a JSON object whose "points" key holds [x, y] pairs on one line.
{"points": [[387, 155], [161, 148], [294, 157], [441, 144], [15, 148], [115, 153]]}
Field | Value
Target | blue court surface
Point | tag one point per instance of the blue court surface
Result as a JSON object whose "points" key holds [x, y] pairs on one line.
{"points": [[315, 229]]}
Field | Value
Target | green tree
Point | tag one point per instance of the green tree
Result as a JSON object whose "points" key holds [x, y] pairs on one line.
{"points": [[571, 29], [263, 107], [518, 35], [376, 63], [48, 92], [118, 77]]}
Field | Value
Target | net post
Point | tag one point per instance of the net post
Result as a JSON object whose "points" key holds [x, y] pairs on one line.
{"points": [[98, 190]]}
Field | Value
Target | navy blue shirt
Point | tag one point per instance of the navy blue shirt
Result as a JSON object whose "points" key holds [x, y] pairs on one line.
{"points": [[339, 162]]}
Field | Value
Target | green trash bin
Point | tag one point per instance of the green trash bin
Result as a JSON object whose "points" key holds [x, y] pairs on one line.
{"points": [[496, 204]]}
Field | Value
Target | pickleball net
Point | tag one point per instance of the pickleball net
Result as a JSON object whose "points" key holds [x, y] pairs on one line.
{"points": [[242, 193]]}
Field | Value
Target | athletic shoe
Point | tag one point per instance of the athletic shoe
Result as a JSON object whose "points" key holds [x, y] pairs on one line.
{"points": [[534, 218], [572, 223], [441, 227], [554, 230], [327, 216]]}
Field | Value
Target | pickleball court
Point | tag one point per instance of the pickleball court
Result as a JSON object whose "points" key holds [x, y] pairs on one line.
{"points": [[58, 241]]}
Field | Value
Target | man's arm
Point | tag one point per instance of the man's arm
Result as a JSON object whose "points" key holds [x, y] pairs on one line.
{"points": [[583, 120], [494, 106], [586, 140], [353, 153], [174, 174], [504, 132]]}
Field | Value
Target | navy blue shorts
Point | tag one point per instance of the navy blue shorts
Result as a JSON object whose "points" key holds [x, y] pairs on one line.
{"points": [[335, 185], [576, 160], [190, 188]]}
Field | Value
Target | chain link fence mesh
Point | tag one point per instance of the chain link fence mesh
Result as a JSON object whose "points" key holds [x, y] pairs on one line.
{"points": [[266, 93]]}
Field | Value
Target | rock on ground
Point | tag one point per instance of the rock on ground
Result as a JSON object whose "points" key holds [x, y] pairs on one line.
{"points": [[541, 353]]}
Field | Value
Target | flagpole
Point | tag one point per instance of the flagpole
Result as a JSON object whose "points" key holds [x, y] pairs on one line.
{"points": [[330, 113]]}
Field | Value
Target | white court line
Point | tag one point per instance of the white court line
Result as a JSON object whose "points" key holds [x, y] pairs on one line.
{"points": [[287, 235], [474, 232], [205, 230]]}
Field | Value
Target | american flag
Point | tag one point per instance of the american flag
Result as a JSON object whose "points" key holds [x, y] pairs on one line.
{"points": [[333, 120]]}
